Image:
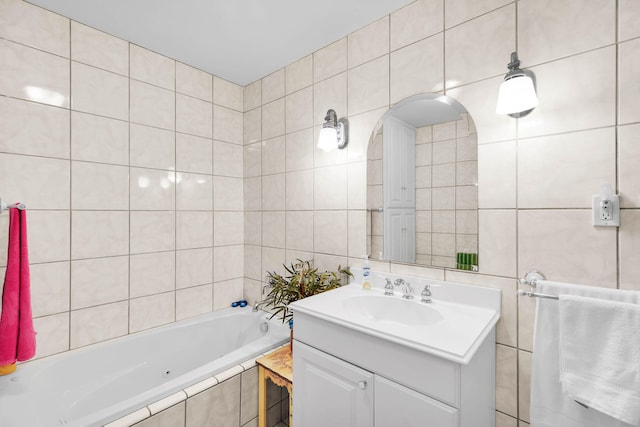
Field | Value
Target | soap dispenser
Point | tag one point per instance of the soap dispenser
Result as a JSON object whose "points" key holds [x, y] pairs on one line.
{"points": [[366, 271]]}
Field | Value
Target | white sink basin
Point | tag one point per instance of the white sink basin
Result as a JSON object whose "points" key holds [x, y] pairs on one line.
{"points": [[451, 327], [384, 309]]}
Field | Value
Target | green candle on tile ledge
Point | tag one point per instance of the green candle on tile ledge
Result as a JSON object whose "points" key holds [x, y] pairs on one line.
{"points": [[467, 261]]}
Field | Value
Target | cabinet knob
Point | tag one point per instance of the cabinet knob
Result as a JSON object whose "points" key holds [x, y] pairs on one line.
{"points": [[362, 385]]}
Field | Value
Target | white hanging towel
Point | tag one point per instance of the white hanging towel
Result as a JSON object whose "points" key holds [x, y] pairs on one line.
{"points": [[600, 355], [550, 407]]}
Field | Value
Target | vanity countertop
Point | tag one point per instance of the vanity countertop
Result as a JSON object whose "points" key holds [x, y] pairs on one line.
{"points": [[451, 327]]}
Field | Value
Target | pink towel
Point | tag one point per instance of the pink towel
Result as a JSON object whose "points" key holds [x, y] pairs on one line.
{"points": [[17, 337]]}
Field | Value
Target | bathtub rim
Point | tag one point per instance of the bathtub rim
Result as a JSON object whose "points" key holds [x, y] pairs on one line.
{"points": [[227, 311]]}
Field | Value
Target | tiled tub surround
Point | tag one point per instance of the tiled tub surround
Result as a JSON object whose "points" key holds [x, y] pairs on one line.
{"points": [[130, 165], [142, 374], [231, 402]]}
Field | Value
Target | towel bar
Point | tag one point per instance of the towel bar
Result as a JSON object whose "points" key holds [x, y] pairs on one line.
{"points": [[531, 279], [4, 206], [535, 295]]}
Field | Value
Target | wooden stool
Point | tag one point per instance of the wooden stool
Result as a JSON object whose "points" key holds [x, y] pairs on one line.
{"points": [[277, 367]]}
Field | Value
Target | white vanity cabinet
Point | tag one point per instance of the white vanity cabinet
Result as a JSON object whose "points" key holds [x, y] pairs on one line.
{"points": [[332, 392], [362, 358]]}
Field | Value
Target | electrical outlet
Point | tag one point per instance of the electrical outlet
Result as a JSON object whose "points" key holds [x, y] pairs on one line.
{"points": [[606, 207], [606, 211]]}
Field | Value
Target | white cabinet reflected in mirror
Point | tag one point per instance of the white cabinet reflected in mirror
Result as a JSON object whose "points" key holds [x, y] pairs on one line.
{"points": [[422, 184]]}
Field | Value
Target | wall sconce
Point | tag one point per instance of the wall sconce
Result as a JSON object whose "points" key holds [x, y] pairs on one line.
{"points": [[334, 132], [517, 96]]}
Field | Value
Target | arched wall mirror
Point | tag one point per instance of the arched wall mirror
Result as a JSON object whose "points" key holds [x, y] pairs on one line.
{"points": [[422, 184]]}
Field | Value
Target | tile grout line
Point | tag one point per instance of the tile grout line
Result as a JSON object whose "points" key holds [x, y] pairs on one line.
{"points": [[213, 172], [175, 193], [129, 212], [517, 220], [616, 135], [70, 195]]}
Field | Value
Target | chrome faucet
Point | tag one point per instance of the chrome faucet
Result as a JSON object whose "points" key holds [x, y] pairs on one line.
{"points": [[407, 290], [258, 304]]}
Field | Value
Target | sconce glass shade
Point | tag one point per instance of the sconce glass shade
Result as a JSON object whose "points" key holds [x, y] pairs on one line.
{"points": [[328, 139], [516, 95], [334, 132]]}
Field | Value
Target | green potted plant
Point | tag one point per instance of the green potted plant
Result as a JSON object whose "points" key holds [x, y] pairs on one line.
{"points": [[301, 280]]}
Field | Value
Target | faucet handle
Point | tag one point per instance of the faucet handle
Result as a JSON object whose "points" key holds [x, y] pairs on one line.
{"points": [[388, 287], [426, 293]]}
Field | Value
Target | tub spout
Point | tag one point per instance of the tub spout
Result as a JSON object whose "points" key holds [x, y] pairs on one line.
{"points": [[259, 304]]}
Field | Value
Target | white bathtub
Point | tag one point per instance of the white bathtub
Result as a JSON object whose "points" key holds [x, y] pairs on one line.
{"points": [[95, 385]]}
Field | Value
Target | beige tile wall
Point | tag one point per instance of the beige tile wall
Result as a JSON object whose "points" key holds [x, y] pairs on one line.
{"points": [[131, 166], [536, 174], [446, 159]]}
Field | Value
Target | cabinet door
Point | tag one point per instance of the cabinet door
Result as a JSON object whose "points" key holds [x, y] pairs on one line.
{"points": [[398, 164], [394, 234], [328, 391], [397, 405], [400, 235]]}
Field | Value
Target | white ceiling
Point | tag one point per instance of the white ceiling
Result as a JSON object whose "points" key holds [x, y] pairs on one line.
{"points": [[238, 40]]}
